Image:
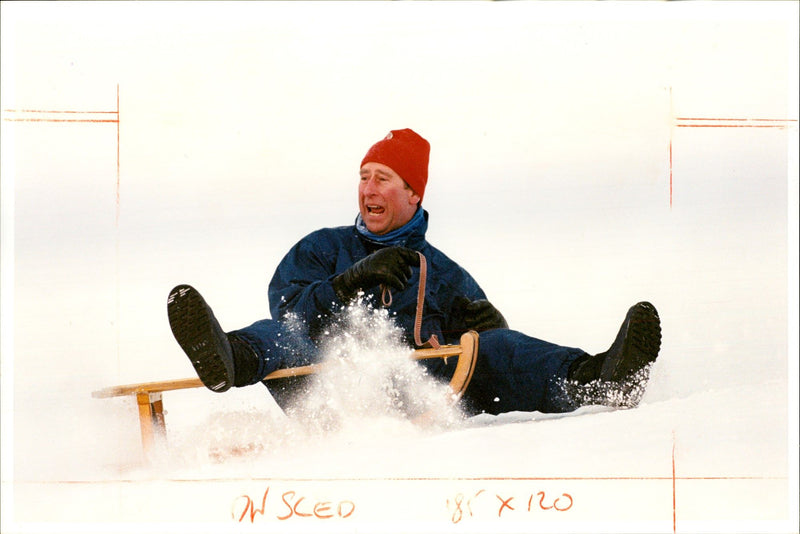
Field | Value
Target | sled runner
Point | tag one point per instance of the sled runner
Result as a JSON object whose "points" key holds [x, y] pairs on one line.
{"points": [[151, 407]]}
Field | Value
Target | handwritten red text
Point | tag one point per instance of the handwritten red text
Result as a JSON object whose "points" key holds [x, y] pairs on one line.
{"points": [[290, 505]]}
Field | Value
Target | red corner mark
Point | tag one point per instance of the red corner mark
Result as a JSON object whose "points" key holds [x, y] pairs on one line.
{"points": [[70, 116], [722, 122], [62, 115]]}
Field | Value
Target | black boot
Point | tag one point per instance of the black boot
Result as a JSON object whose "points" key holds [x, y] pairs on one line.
{"points": [[625, 364], [245, 362], [220, 361]]}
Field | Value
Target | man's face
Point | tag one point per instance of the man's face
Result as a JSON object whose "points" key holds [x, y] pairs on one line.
{"points": [[384, 199]]}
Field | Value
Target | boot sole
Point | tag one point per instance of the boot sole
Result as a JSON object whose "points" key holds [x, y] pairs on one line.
{"points": [[200, 336], [641, 342]]}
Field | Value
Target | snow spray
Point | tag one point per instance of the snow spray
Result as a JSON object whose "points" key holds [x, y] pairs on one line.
{"points": [[623, 394], [370, 376], [367, 389]]}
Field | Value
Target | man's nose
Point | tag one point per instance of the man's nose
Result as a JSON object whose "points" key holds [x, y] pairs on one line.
{"points": [[368, 186]]}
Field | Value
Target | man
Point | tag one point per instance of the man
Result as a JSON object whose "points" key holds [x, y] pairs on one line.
{"points": [[329, 267]]}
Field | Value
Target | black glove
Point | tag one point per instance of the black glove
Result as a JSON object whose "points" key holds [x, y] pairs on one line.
{"points": [[478, 315], [390, 266]]}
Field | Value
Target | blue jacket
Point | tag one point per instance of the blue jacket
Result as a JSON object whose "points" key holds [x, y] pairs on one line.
{"points": [[513, 371], [302, 283]]}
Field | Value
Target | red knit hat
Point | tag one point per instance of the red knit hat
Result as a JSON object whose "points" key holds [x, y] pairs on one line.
{"points": [[406, 153]]}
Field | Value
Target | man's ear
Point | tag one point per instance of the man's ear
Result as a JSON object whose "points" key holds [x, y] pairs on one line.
{"points": [[413, 197]]}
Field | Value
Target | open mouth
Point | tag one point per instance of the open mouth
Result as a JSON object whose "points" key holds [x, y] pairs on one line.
{"points": [[375, 210]]}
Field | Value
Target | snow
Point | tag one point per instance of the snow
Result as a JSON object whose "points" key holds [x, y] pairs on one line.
{"points": [[552, 127]]}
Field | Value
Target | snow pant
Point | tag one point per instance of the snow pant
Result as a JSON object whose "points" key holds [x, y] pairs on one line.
{"points": [[514, 372], [519, 373]]}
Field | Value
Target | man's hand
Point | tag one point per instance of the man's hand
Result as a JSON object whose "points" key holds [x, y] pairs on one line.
{"points": [[390, 266], [478, 315]]}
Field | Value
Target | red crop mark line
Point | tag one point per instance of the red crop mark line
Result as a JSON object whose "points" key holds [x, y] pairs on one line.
{"points": [[670, 170], [64, 115], [117, 121], [724, 122], [56, 120], [729, 119], [53, 111], [674, 501], [665, 478], [671, 132]]}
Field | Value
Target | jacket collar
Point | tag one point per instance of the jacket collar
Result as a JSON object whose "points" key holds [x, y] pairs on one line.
{"points": [[411, 234]]}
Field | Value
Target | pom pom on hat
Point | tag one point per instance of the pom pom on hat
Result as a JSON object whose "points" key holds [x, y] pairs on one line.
{"points": [[407, 154]]}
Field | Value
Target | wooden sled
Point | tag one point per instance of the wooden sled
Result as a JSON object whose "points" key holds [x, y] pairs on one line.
{"points": [[151, 405]]}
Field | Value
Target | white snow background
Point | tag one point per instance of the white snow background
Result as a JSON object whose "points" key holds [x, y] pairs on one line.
{"points": [[560, 177]]}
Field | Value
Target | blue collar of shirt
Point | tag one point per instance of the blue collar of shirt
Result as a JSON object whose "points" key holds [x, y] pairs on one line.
{"points": [[399, 237]]}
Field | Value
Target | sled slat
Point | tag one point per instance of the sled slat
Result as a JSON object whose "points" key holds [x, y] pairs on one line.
{"points": [[147, 387], [466, 364], [151, 408], [188, 383]]}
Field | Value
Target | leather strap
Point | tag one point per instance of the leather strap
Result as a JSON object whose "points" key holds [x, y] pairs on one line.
{"points": [[386, 299]]}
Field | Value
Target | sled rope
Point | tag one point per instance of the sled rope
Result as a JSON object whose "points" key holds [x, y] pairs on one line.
{"points": [[386, 299]]}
